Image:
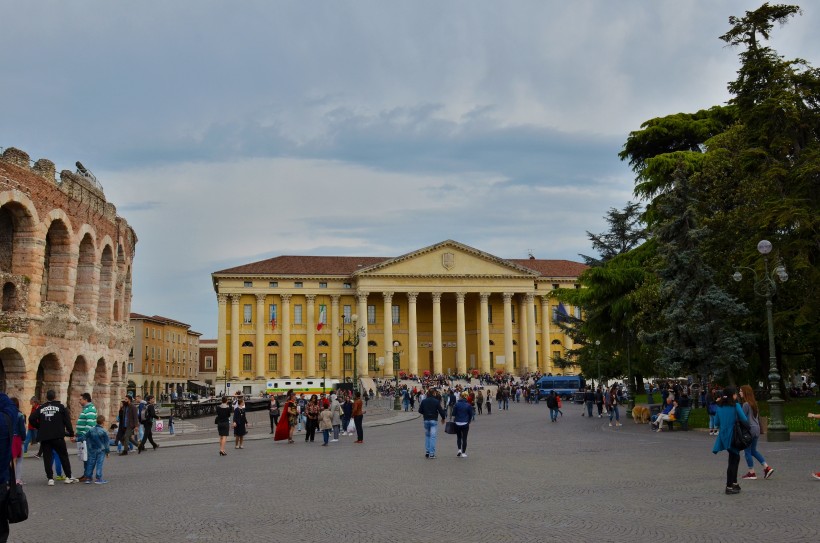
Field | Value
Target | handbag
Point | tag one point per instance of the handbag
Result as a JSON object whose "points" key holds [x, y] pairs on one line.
{"points": [[450, 427], [351, 427], [16, 501], [742, 435]]}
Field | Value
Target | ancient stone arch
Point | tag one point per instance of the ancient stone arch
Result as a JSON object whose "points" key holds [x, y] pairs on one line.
{"points": [[85, 292], [57, 279], [106, 290]]}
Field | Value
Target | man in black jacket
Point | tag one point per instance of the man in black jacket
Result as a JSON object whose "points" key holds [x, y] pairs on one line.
{"points": [[430, 410], [53, 424]]}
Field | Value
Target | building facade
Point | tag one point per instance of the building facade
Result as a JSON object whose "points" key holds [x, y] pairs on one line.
{"points": [[208, 363], [65, 269], [447, 308], [165, 357]]}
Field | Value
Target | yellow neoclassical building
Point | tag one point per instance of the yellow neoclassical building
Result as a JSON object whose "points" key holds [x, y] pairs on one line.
{"points": [[447, 308]]}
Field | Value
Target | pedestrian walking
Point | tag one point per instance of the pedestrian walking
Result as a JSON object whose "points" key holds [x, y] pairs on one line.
{"points": [[479, 401], [325, 424], [589, 399], [747, 396], [312, 418], [336, 416], [130, 422], [462, 415], [7, 423], [31, 434], [240, 424], [223, 423], [552, 405], [431, 410], [53, 423], [599, 401], [489, 403], [728, 412], [149, 416], [612, 406], [273, 410], [97, 446], [18, 436]]}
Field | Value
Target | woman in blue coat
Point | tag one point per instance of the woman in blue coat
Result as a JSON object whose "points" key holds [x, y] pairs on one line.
{"points": [[728, 412]]}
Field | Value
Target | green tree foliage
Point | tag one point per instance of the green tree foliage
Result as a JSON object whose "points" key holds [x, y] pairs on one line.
{"points": [[625, 232]]}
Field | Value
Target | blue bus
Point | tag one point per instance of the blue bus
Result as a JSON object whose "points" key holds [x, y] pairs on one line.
{"points": [[563, 385]]}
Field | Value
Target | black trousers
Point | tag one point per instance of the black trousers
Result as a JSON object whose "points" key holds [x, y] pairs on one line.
{"points": [[274, 420], [359, 429], [731, 471], [311, 426], [147, 435], [57, 446], [461, 437]]}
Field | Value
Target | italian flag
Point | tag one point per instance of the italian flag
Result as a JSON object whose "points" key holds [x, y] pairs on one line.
{"points": [[322, 318]]}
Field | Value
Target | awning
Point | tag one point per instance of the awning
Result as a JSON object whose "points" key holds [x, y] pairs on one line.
{"points": [[199, 384]]}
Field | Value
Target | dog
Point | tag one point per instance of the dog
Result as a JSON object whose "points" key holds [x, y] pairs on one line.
{"points": [[640, 414]]}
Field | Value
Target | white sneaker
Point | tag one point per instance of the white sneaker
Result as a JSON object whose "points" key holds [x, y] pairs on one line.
{"points": [[464, 455], [51, 482], [334, 440], [69, 480], [459, 453], [610, 425]]}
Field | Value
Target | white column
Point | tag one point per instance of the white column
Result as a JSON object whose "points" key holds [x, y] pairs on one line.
{"points": [[361, 351], [259, 364], [235, 336], [546, 344], [388, 334], [484, 336], [461, 335], [531, 332], [222, 336], [437, 354], [285, 347], [523, 329], [413, 340], [310, 351], [335, 353], [508, 334]]}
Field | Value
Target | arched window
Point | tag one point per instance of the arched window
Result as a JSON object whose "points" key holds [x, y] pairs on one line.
{"points": [[84, 286], [556, 342], [247, 344], [9, 297], [272, 344], [515, 342], [372, 343], [323, 343], [492, 342], [298, 344], [347, 343]]}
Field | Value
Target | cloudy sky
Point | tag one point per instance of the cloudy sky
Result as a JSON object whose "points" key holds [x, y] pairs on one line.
{"points": [[230, 132]]}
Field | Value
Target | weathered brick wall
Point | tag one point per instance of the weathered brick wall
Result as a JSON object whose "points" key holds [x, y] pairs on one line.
{"points": [[54, 319]]}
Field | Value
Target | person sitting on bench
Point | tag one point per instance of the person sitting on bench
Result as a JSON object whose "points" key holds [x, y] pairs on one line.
{"points": [[668, 412]]}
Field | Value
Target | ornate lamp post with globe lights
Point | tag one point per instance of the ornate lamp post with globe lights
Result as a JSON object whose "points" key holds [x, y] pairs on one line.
{"points": [[353, 337], [766, 286], [396, 360]]}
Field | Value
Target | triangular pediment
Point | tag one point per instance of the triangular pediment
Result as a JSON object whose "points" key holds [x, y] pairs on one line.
{"points": [[448, 258]]}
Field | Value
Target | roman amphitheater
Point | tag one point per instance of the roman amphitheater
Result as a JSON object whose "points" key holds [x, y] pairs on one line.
{"points": [[65, 267]]}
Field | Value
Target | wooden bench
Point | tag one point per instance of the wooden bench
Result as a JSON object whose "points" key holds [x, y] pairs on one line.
{"points": [[681, 417]]}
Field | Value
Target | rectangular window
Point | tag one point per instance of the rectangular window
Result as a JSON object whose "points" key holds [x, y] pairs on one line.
{"points": [[246, 313], [322, 285], [248, 284], [273, 284], [323, 314], [489, 313], [246, 362], [371, 314], [209, 362], [577, 312], [371, 362], [323, 362], [346, 311], [272, 362], [297, 284], [146, 352], [153, 333], [348, 362], [167, 355], [512, 311], [347, 285], [297, 361], [130, 367], [554, 313], [555, 286], [152, 353], [272, 317], [556, 355], [395, 310], [535, 312], [297, 314], [146, 333]]}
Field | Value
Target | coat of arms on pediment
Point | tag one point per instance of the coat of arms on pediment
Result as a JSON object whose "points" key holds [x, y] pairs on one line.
{"points": [[448, 261]]}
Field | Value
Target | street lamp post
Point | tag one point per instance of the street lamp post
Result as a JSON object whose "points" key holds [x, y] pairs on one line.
{"points": [[598, 358], [765, 286], [353, 337], [323, 367], [396, 360]]}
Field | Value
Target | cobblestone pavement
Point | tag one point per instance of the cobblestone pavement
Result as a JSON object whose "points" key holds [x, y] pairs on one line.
{"points": [[526, 479]]}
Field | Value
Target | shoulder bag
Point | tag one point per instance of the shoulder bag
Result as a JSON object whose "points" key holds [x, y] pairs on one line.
{"points": [[16, 501], [742, 435], [450, 427]]}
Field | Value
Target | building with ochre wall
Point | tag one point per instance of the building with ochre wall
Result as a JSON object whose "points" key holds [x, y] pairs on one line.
{"points": [[65, 269], [447, 308], [165, 357]]}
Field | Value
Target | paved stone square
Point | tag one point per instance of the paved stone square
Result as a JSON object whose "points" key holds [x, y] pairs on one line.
{"points": [[526, 479]]}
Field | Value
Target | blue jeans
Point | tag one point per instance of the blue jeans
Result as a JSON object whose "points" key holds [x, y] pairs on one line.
{"points": [[713, 423], [430, 433], [589, 408], [31, 435], [751, 451], [614, 410], [95, 462], [553, 413], [326, 435]]}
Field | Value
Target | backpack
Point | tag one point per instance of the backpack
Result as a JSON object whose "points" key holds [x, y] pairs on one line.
{"points": [[142, 411]]}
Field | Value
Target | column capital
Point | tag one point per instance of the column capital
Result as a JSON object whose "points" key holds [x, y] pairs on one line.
{"points": [[460, 297], [545, 299], [235, 299], [310, 298], [285, 298], [529, 297], [485, 296], [260, 298], [334, 299], [222, 298], [508, 297], [362, 296], [436, 297], [388, 296], [411, 297]]}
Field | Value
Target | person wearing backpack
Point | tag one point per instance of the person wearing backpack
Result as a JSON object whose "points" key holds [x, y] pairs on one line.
{"points": [[149, 413], [751, 452]]}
